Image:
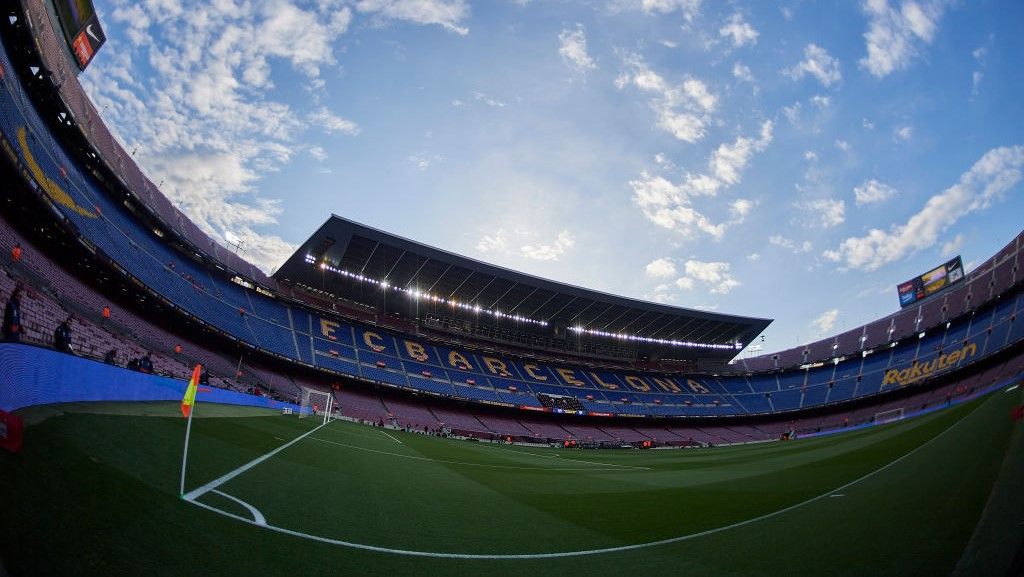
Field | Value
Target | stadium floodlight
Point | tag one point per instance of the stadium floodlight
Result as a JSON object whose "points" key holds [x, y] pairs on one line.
{"points": [[417, 294]]}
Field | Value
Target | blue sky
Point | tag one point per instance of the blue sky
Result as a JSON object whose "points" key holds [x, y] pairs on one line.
{"points": [[793, 161]]}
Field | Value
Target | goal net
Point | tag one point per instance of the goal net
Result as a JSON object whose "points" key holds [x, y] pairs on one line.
{"points": [[889, 416], [316, 404]]}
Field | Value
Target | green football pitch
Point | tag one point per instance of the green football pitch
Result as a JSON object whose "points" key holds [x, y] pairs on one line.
{"points": [[95, 492]]}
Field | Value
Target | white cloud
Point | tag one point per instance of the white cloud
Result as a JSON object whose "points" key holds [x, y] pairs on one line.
{"points": [[447, 13], [715, 276], [826, 322], [821, 101], [754, 257], [810, 156], [562, 243], [980, 55], [492, 242], [739, 31], [420, 162], [481, 97], [895, 37], [995, 173], [903, 133], [873, 192], [740, 208], [842, 145], [818, 63], [670, 205], [573, 48], [823, 212], [953, 246], [728, 161], [689, 8], [660, 268], [742, 72], [779, 240], [792, 113], [683, 110], [330, 122], [318, 153]]}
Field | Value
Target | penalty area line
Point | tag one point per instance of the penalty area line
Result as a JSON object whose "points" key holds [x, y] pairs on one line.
{"points": [[585, 552], [393, 437]]}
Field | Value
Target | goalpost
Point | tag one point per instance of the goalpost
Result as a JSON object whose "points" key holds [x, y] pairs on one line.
{"points": [[315, 404], [889, 416]]}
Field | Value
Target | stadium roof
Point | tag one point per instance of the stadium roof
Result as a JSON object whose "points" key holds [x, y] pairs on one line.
{"points": [[366, 265]]}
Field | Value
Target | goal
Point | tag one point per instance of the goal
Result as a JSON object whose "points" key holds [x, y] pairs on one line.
{"points": [[316, 404], [889, 416]]}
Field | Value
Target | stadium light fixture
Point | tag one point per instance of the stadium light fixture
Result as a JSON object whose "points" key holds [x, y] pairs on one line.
{"points": [[417, 294], [637, 338]]}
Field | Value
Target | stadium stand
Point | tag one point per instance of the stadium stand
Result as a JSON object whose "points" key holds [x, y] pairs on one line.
{"points": [[182, 269]]}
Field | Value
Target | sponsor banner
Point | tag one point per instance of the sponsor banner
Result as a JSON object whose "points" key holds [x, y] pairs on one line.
{"points": [[596, 414], [538, 409], [919, 371]]}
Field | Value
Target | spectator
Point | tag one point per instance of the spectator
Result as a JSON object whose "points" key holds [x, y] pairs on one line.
{"points": [[133, 365], [16, 253], [146, 364], [12, 317], [204, 378], [62, 337], [106, 314], [111, 357], [177, 349]]}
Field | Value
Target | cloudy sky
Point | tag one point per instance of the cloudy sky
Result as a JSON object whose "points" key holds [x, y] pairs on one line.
{"points": [[790, 160]]}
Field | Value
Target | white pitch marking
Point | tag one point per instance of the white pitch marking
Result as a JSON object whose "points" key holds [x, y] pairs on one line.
{"points": [[257, 517], [196, 493], [586, 552], [837, 495], [1013, 388], [463, 463], [393, 437]]}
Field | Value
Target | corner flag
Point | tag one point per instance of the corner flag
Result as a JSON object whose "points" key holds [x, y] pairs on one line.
{"points": [[190, 393]]}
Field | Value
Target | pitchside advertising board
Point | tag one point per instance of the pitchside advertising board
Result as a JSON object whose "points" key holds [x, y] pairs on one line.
{"points": [[931, 282], [81, 29]]}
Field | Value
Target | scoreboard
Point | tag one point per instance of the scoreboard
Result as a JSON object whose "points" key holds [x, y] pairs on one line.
{"points": [[82, 29], [931, 282]]}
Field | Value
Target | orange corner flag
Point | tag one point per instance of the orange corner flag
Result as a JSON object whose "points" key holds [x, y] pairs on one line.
{"points": [[190, 393]]}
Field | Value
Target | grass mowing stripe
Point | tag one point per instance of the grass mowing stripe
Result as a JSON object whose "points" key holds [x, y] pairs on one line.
{"points": [[195, 493], [605, 550], [464, 463], [561, 458]]}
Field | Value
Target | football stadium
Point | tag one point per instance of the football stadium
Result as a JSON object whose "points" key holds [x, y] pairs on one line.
{"points": [[380, 406]]}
